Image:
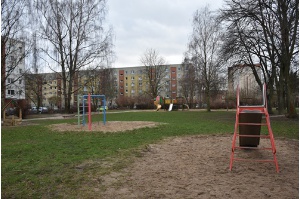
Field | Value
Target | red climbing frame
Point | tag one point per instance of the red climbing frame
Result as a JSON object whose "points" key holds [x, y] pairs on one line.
{"points": [[263, 110]]}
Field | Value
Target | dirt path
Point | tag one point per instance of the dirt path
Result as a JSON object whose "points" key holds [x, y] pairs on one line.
{"points": [[198, 167]]}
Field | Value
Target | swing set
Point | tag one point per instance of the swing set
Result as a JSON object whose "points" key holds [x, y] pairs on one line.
{"points": [[87, 98]]}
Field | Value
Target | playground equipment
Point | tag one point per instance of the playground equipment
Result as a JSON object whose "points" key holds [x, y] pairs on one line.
{"points": [[170, 104], [12, 120], [158, 102], [89, 106], [248, 123]]}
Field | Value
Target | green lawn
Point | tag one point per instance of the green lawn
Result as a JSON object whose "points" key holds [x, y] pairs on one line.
{"points": [[40, 163]]}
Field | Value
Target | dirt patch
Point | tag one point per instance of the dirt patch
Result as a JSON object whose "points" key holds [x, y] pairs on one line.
{"points": [[198, 167], [111, 126]]}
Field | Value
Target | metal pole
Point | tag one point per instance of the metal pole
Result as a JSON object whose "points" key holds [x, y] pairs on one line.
{"points": [[83, 108], [78, 110], [104, 111], [90, 114]]}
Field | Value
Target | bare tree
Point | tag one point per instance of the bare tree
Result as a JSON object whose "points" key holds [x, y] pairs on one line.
{"points": [[100, 82], [13, 39], [155, 71], [34, 83], [189, 81], [76, 38], [266, 31], [204, 48]]}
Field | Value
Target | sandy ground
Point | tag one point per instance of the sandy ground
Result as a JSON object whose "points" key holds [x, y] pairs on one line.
{"points": [[111, 126], [198, 167]]}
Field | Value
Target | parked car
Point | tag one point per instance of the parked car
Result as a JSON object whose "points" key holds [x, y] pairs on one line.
{"points": [[10, 111], [43, 110], [33, 110]]}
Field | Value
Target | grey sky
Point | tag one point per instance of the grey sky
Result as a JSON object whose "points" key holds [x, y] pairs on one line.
{"points": [[164, 25]]}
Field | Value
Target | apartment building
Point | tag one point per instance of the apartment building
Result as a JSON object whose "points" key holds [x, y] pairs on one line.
{"points": [[13, 68], [129, 82], [132, 81], [242, 76]]}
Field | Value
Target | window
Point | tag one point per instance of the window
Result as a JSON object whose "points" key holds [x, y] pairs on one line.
{"points": [[132, 72], [121, 93], [126, 91], [132, 78], [11, 92], [20, 81], [126, 84], [10, 80], [140, 84]]}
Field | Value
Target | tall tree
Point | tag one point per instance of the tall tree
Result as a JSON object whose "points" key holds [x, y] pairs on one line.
{"points": [[189, 81], [12, 39], [204, 48], [155, 71], [74, 31], [266, 31]]}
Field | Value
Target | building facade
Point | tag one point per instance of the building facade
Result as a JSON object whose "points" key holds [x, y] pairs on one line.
{"points": [[14, 69], [126, 82], [242, 76]]}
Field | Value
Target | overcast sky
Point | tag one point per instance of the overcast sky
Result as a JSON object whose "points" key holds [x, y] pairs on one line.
{"points": [[163, 25]]}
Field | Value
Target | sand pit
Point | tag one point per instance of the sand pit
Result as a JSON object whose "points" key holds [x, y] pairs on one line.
{"points": [[198, 167], [195, 167], [109, 127]]}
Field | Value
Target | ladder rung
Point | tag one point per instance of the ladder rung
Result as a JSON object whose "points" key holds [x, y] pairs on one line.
{"points": [[253, 160], [255, 136], [254, 148], [254, 124]]}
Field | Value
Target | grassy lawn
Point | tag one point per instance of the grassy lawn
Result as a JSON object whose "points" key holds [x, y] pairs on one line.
{"points": [[40, 163]]}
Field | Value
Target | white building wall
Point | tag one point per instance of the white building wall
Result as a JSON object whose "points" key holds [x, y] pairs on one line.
{"points": [[15, 82]]}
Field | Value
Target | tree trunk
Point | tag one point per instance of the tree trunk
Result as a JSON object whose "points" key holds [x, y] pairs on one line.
{"points": [[207, 93]]}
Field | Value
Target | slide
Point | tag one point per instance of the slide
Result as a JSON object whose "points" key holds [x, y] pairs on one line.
{"points": [[170, 107]]}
